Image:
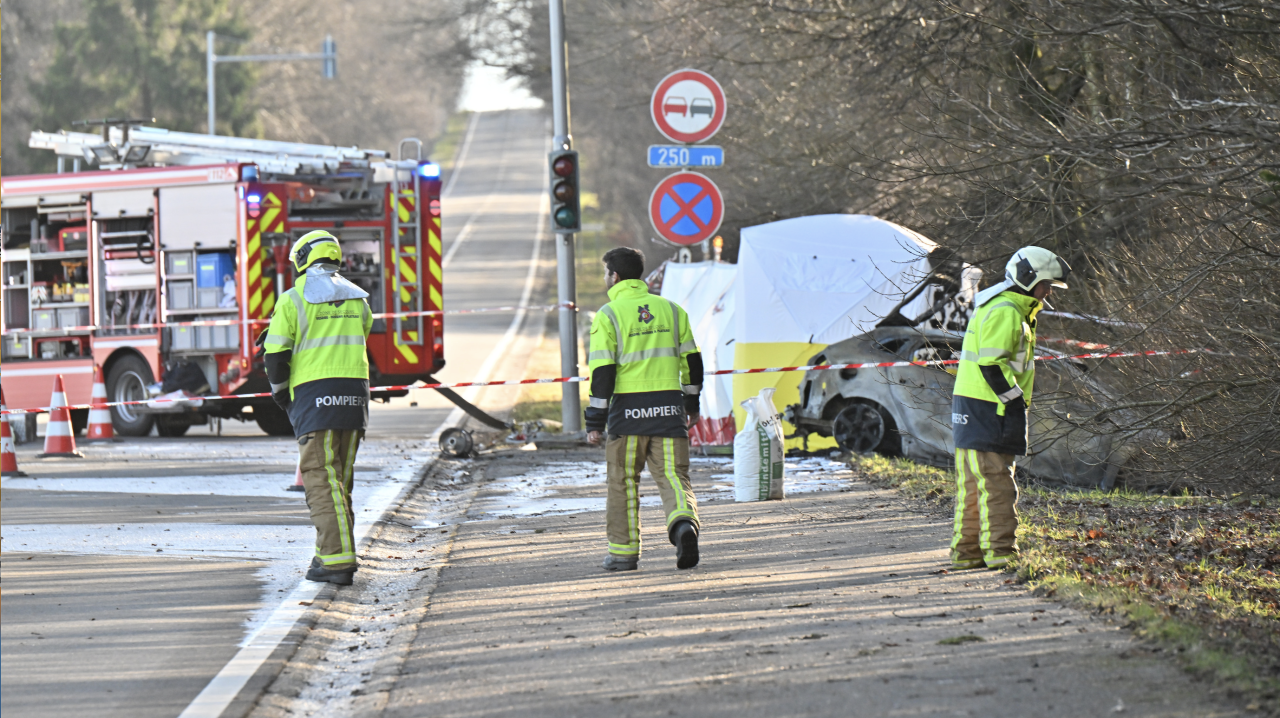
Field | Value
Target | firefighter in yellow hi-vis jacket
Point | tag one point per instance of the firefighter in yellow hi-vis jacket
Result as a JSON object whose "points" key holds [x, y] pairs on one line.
{"points": [[989, 407], [319, 374], [646, 377]]}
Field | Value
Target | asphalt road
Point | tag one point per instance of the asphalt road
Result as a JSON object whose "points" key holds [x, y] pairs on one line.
{"points": [[134, 575]]}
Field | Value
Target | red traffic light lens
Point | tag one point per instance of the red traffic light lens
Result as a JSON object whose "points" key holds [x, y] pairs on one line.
{"points": [[564, 192], [563, 166]]}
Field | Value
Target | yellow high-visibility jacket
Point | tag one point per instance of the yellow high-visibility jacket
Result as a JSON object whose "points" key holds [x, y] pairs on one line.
{"points": [[644, 344], [317, 352], [996, 374]]}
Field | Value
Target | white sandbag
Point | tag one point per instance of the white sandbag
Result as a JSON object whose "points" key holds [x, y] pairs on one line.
{"points": [[758, 452]]}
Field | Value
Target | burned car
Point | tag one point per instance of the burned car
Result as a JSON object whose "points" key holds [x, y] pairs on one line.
{"points": [[906, 410]]}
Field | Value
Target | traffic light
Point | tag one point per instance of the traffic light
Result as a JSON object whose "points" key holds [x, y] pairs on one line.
{"points": [[566, 214]]}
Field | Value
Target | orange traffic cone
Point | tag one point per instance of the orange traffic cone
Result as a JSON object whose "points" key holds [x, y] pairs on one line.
{"points": [[10, 459], [297, 484], [100, 428], [59, 439]]}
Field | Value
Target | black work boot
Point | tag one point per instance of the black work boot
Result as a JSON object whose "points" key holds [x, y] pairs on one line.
{"points": [[620, 563], [685, 537], [320, 574]]}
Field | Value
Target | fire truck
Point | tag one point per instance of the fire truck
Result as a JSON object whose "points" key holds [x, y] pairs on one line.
{"points": [[173, 254]]}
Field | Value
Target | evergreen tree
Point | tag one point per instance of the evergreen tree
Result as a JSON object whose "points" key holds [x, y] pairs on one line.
{"points": [[145, 58]]}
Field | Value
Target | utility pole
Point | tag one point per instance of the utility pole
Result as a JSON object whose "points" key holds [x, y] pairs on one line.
{"points": [[328, 55], [566, 282]]}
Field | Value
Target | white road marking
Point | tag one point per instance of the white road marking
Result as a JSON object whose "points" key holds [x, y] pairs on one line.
{"points": [[224, 687], [254, 542], [227, 684], [257, 647], [462, 155], [267, 485], [500, 351]]}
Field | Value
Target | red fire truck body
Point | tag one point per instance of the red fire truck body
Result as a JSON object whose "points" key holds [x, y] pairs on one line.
{"points": [[90, 256]]}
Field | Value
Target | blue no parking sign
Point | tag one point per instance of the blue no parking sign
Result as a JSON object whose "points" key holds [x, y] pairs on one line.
{"points": [[686, 208]]}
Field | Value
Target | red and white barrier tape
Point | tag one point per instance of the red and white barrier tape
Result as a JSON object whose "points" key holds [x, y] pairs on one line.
{"points": [[571, 379], [234, 322]]}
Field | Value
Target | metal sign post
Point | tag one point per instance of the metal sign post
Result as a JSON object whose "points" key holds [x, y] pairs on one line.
{"points": [[328, 56], [566, 282]]}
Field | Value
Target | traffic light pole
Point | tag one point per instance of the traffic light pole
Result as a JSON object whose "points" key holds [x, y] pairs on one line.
{"points": [[567, 289], [328, 54]]}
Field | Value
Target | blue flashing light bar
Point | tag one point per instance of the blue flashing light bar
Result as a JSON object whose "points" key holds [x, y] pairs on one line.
{"points": [[429, 170]]}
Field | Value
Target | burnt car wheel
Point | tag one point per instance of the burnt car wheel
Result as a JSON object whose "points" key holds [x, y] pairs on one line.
{"points": [[859, 428]]}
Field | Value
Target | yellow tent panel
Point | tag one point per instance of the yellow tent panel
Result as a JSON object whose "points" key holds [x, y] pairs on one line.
{"points": [[773, 354]]}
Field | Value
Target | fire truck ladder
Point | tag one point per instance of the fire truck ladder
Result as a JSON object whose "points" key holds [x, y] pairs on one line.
{"points": [[406, 233], [127, 145]]}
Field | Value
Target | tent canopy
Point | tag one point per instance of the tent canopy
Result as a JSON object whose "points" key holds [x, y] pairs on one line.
{"points": [[706, 291], [808, 282], [825, 278]]}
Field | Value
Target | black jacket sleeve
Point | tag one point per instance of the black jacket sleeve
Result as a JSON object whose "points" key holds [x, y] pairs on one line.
{"points": [[693, 390], [1000, 385], [603, 380], [278, 376]]}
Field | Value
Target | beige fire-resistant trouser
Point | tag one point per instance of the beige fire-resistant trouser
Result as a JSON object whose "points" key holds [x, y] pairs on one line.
{"points": [[669, 463], [328, 460], [986, 517]]}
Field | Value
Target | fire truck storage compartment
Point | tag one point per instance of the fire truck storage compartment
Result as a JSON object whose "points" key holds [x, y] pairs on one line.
{"points": [[16, 346], [182, 263], [74, 239], [114, 204], [128, 238], [61, 347], [213, 268], [129, 274], [208, 297], [362, 265], [198, 216], [70, 317], [124, 309], [181, 295], [44, 319], [204, 339]]}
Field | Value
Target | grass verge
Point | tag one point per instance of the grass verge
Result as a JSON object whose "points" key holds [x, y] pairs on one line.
{"points": [[445, 149], [1195, 575]]}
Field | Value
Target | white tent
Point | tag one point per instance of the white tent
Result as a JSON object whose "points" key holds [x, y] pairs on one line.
{"points": [[808, 282], [799, 285], [706, 291]]}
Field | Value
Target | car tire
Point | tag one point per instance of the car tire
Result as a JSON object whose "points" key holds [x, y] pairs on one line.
{"points": [[172, 426], [272, 419], [864, 427], [127, 380]]}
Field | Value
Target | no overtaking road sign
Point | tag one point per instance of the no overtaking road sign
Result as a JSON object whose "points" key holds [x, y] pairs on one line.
{"points": [[688, 106], [686, 208]]}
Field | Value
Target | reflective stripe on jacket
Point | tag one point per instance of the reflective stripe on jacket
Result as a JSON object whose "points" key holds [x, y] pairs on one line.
{"points": [[649, 340], [648, 337], [1001, 333], [327, 340]]}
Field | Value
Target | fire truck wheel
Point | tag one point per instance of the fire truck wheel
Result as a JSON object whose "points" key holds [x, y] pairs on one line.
{"points": [[272, 420], [172, 426], [128, 380]]}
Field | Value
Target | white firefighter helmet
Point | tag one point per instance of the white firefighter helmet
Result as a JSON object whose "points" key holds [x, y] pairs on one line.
{"points": [[1026, 268]]}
